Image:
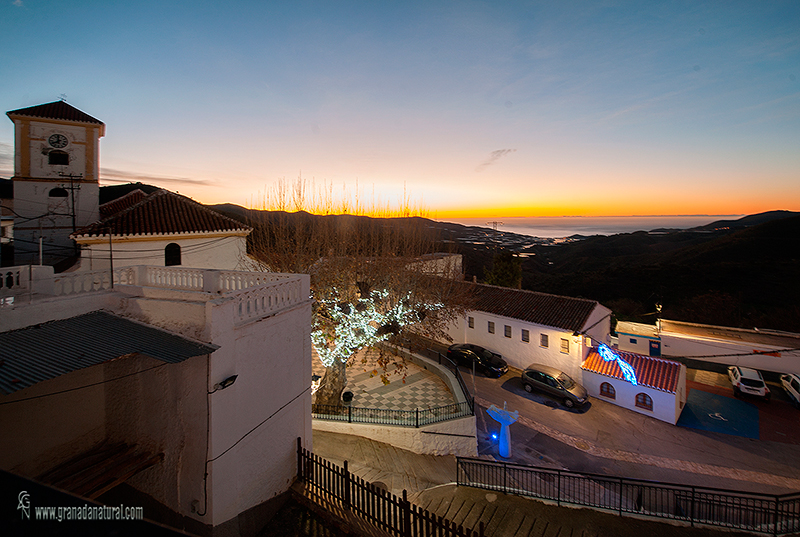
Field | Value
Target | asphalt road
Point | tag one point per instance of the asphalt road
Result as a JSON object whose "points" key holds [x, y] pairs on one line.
{"points": [[606, 439]]}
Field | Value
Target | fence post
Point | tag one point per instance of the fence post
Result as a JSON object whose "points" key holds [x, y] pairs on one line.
{"points": [[300, 473], [691, 510], [505, 478], [777, 503], [620, 496], [349, 414], [405, 507], [346, 487], [417, 423], [558, 497]]}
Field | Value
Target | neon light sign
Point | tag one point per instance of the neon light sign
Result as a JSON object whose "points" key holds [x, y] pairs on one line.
{"points": [[610, 356]]}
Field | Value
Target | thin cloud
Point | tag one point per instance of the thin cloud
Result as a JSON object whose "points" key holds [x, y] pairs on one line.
{"points": [[17, 3], [494, 156], [120, 176]]}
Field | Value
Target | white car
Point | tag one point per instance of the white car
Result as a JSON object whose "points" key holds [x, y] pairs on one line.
{"points": [[748, 381], [791, 383]]}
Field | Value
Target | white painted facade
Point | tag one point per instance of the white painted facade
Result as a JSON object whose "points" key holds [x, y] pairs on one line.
{"points": [[221, 251], [765, 350], [666, 406], [637, 337], [35, 182], [260, 321], [563, 350]]}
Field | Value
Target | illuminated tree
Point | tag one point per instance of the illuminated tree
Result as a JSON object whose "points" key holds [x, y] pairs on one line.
{"points": [[371, 278]]}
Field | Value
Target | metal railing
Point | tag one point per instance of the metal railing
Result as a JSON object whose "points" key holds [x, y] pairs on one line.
{"points": [[379, 507], [760, 513], [403, 418]]}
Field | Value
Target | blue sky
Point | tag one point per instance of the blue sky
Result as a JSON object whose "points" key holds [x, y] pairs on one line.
{"points": [[474, 108]]}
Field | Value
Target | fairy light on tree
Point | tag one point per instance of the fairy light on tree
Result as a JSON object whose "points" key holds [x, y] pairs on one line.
{"points": [[371, 278]]}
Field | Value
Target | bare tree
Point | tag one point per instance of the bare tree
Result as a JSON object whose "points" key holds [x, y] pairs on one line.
{"points": [[371, 278]]}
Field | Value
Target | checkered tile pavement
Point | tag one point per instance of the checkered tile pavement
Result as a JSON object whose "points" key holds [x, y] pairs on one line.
{"points": [[410, 386]]}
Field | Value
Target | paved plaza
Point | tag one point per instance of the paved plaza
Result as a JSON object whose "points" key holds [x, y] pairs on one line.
{"points": [[410, 386]]}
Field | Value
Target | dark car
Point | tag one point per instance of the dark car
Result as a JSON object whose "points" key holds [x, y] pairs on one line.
{"points": [[550, 380], [485, 360]]}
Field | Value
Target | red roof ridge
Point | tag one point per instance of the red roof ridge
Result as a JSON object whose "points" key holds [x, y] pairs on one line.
{"points": [[651, 371], [159, 221]]}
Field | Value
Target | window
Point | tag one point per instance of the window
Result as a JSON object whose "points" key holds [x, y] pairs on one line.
{"points": [[58, 193], [471, 322], [507, 331], [607, 390], [643, 401], [526, 336], [633, 340], [58, 157], [491, 327], [564, 345], [172, 254], [544, 340]]}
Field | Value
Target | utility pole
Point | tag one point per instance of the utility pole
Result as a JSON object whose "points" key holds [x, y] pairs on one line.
{"points": [[494, 227], [72, 188]]}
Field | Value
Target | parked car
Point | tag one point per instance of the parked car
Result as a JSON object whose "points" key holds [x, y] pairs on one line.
{"points": [[491, 363], [747, 381], [550, 380], [791, 384]]}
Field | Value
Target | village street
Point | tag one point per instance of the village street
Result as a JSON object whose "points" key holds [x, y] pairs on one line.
{"points": [[606, 439]]}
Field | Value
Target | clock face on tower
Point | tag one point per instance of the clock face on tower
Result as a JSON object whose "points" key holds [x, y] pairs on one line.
{"points": [[58, 141]]}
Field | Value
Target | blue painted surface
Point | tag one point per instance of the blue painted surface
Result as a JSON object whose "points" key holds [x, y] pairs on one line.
{"points": [[719, 414]]}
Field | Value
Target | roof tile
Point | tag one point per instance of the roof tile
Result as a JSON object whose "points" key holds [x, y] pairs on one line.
{"points": [[56, 110], [162, 212], [655, 373]]}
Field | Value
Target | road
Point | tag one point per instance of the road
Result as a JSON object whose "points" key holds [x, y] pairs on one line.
{"points": [[606, 439]]}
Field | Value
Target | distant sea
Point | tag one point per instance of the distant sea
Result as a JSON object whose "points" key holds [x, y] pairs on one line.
{"points": [[565, 226]]}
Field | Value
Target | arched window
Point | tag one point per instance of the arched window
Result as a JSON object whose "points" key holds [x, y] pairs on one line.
{"points": [[172, 254], [607, 390], [644, 401], [58, 192], [58, 157]]}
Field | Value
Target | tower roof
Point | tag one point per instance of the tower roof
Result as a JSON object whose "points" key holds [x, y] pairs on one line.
{"points": [[55, 110]]}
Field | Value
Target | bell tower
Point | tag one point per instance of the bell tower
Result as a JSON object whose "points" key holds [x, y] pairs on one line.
{"points": [[56, 188]]}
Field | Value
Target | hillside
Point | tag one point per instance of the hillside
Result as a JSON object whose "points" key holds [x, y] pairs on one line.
{"points": [[734, 273]]}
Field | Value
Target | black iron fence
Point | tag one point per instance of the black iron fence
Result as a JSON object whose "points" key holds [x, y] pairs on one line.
{"points": [[380, 416], [760, 513], [396, 516]]}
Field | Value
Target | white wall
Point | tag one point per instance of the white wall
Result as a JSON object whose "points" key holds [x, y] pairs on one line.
{"points": [[516, 352], [693, 347], [272, 358], [453, 437], [208, 251], [666, 406]]}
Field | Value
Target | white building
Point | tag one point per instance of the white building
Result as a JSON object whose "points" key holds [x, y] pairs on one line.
{"points": [[141, 360], [653, 386], [162, 228], [528, 327], [767, 350]]}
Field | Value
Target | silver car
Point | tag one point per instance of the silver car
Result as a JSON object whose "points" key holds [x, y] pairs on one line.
{"points": [[550, 380]]}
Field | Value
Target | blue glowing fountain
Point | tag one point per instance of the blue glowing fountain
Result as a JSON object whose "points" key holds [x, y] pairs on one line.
{"points": [[505, 417]]}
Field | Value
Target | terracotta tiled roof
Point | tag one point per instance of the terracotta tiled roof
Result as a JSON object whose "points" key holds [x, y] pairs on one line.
{"points": [[56, 110], [540, 308], [655, 373], [163, 212], [123, 202]]}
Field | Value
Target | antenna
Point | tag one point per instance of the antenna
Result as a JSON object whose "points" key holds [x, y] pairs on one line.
{"points": [[494, 227], [63, 97]]}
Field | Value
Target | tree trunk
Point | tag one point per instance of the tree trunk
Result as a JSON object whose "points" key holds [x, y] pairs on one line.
{"points": [[332, 385]]}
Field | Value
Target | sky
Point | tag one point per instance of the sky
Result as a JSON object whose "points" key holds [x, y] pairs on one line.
{"points": [[468, 109]]}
